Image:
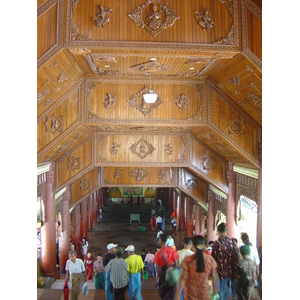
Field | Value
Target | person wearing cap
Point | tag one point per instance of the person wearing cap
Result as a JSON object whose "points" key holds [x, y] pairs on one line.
{"points": [[111, 249], [75, 267], [136, 273]]}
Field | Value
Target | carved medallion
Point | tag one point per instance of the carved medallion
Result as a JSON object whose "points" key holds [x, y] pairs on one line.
{"points": [[101, 16], [54, 123], [109, 101], [62, 77], [204, 20], [85, 184], [142, 148], [143, 107], [117, 173], [150, 66], [153, 16], [74, 163], [97, 58], [169, 148], [192, 183], [160, 174], [180, 101], [139, 174], [253, 98], [235, 80], [114, 149], [208, 163], [236, 127]]}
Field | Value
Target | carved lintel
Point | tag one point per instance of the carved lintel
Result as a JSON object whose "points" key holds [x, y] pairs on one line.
{"points": [[204, 20], [153, 16], [101, 16]]}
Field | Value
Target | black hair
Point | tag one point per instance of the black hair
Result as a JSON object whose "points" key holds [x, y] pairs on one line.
{"points": [[222, 227], [164, 237], [99, 254], [210, 242], [245, 239], [187, 240], [199, 240]]}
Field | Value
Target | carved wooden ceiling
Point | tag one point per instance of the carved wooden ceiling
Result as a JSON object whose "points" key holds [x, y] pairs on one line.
{"points": [[94, 64]]}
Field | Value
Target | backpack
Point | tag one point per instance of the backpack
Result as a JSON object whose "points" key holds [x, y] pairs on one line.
{"points": [[172, 273]]}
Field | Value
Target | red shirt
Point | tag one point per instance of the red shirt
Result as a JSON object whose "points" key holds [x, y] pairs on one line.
{"points": [[89, 261], [170, 255]]}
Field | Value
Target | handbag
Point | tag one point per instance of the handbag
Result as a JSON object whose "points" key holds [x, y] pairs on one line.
{"points": [[66, 291], [172, 273]]}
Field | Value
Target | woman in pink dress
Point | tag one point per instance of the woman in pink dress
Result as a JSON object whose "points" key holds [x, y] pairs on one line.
{"points": [[196, 269], [89, 263]]}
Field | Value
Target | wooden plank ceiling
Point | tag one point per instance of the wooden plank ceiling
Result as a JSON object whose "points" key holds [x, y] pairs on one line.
{"points": [[94, 62]]}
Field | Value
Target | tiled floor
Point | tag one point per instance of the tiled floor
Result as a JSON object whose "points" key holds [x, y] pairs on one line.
{"points": [[114, 227]]}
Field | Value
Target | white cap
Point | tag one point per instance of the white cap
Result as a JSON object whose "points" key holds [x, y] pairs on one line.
{"points": [[130, 248], [111, 245]]}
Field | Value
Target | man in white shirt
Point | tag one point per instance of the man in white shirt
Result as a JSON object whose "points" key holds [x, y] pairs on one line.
{"points": [[159, 222], [170, 242], [75, 267]]}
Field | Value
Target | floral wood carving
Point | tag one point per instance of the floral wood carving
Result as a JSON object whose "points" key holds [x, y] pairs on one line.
{"points": [[41, 95], [109, 101], [48, 102], [169, 148], [160, 174], [142, 148], [153, 16], [208, 163], [106, 72], [114, 148], [80, 51], [85, 184], [229, 40], [256, 100], [74, 3], [138, 174], [73, 163], [117, 173], [75, 35], [204, 20], [236, 127], [180, 101], [54, 123], [198, 116], [96, 57], [101, 16], [143, 107], [235, 80], [150, 66], [62, 77]]}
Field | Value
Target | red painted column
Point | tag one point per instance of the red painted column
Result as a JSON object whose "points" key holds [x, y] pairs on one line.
{"points": [[181, 212], [231, 202], [188, 219], [211, 236], [64, 239], [90, 212], [48, 236], [94, 208], [83, 223], [259, 201], [76, 230], [197, 218]]}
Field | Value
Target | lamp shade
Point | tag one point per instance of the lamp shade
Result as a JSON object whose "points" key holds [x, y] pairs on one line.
{"points": [[150, 97]]}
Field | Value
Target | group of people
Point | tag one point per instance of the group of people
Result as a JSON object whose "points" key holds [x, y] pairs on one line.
{"points": [[205, 270]]}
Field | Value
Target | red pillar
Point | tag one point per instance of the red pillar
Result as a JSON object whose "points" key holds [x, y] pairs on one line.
{"points": [[181, 212], [90, 213], [231, 202], [48, 236], [76, 230], [259, 202], [197, 218], [188, 219], [83, 223], [64, 239], [94, 208], [211, 236]]}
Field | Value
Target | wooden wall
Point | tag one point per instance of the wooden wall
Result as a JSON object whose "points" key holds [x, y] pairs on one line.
{"points": [[121, 28], [88, 183]]}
